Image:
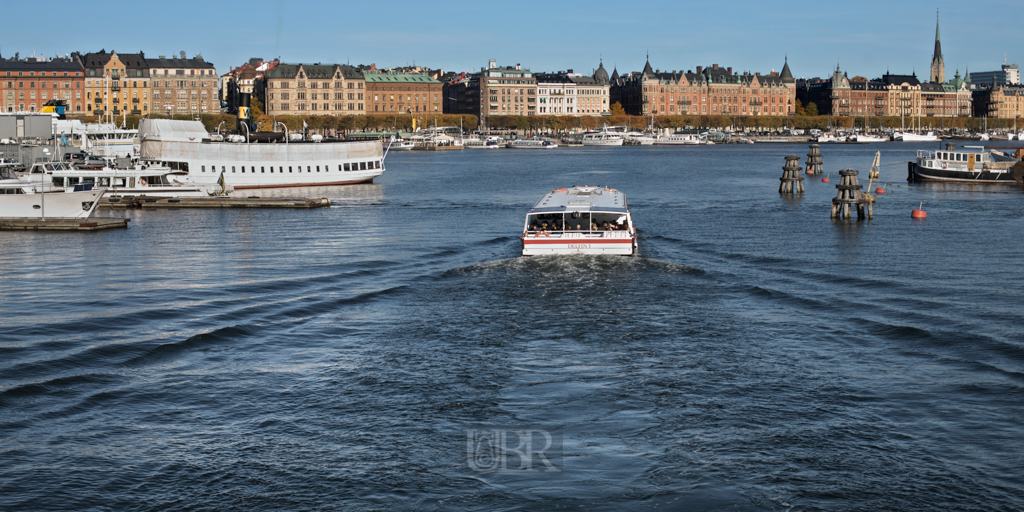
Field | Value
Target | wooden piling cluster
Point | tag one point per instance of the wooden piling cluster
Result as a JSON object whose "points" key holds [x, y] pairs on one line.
{"points": [[849, 195], [814, 162], [791, 180]]}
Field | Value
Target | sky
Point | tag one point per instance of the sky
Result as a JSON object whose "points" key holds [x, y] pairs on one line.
{"points": [[864, 38]]}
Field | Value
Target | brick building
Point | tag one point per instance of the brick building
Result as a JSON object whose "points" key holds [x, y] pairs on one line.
{"points": [[708, 91], [999, 101], [27, 84], [183, 86], [573, 94], [315, 89], [403, 92]]}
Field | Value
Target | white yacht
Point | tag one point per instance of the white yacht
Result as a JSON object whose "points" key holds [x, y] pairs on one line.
{"points": [[580, 220], [400, 145], [915, 137], [186, 146], [830, 137], [531, 144], [603, 138], [25, 199]]}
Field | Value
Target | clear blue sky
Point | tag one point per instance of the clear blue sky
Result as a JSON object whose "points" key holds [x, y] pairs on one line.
{"points": [[865, 37]]}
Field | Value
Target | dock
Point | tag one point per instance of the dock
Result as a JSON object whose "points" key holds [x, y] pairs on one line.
{"points": [[62, 224], [167, 203]]}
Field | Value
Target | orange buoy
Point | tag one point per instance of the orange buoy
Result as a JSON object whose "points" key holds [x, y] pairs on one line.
{"points": [[810, 171], [826, 180], [918, 213], [879, 190]]}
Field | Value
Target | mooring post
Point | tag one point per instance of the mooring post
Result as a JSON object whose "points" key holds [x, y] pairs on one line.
{"points": [[850, 195], [814, 161], [791, 180]]}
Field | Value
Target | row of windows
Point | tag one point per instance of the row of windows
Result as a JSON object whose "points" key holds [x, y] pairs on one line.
{"points": [[32, 107], [302, 106], [401, 108], [115, 72], [42, 95], [326, 85], [106, 83], [43, 73], [42, 85], [355, 166]]}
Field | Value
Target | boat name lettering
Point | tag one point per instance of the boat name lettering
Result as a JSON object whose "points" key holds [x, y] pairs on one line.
{"points": [[579, 246]]}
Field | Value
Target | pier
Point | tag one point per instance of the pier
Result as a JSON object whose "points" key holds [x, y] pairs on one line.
{"points": [[62, 224], [167, 203]]}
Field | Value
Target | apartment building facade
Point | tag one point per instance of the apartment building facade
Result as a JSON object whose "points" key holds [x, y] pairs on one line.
{"points": [[315, 89], [28, 84], [183, 86]]}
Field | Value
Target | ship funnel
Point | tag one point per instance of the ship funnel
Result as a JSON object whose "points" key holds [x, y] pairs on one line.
{"points": [[244, 114]]}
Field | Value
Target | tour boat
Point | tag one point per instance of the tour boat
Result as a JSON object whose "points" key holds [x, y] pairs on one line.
{"points": [[25, 199], [531, 144], [491, 142], [830, 137], [962, 166], [262, 160], [602, 138], [580, 220], [681, 139]]}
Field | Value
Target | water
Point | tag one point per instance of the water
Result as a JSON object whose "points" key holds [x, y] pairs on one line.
{"points": [[756, 356]]}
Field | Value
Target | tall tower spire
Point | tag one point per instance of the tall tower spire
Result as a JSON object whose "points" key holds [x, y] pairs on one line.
{"points": [[938, 70]]}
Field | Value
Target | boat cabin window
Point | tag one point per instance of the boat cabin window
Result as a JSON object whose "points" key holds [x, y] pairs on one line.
{"points": [[289, 168], [309, 169], [318, 168], [263, 171], [232, 169], [339, 167], [347, 168], [204, 168], [362, 166], [376, 164]]}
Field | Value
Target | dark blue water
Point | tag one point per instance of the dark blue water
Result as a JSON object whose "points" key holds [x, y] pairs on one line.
{"points": [[756, 356]]}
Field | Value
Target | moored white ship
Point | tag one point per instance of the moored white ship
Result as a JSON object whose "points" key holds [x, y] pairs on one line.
{"points": [[681, 139], [580, 220], [602, 138], [187, 146]]}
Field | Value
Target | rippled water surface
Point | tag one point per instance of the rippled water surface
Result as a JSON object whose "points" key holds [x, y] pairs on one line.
{"points": [[756, 356]]}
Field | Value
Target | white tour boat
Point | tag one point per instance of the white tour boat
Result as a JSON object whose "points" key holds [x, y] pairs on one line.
{"points": [[681, 139], [141, 180], [25, 199], [186, 146], [580, 220], [866, 138], [491, 142], [531, 144], [400, 145]]}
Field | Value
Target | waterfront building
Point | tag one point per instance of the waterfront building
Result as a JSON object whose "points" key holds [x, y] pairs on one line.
{"points": [[27, 84], [709, 91], [999, 101], [574, 94], [890, 95], [494, 91], [399, 92], [1008, 75], [315, 89], [182, 86], [116, 83]]}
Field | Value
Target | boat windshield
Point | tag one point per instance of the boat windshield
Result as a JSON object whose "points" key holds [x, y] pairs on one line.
{"points": [[577, 221]]}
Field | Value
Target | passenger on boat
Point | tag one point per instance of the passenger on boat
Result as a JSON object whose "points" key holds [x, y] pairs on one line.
{"points": [[533, 227]]}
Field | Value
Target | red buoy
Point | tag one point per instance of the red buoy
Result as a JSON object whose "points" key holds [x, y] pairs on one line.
{"points": [[826, 180], [879, 190], [918, 213], [810, 171]]}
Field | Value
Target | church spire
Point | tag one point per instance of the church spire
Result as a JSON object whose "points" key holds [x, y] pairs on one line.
{"points": [[938, 68]]}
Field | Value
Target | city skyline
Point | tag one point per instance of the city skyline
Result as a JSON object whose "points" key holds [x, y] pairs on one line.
{"points": [[875, 38]]}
